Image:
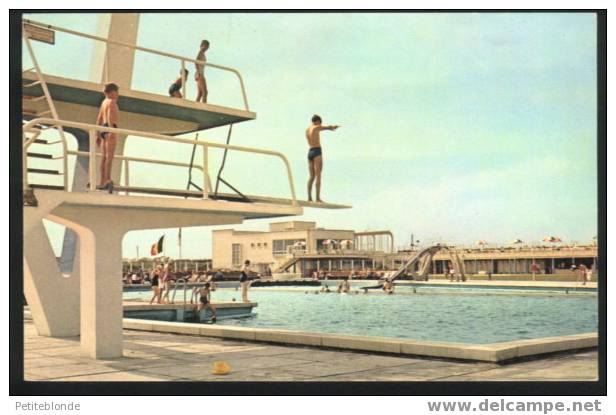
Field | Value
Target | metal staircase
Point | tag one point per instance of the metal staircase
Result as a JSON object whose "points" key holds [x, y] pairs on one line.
{"points": [[55, 166]]}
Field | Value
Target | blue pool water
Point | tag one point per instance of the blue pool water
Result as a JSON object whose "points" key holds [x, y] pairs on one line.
{"points": [[468, 315]]}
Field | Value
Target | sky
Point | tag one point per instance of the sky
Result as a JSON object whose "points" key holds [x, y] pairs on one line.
{"points": [[454, 127]]}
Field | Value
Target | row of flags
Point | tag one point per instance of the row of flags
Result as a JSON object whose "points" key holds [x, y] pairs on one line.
{"points": [[551, 239]]}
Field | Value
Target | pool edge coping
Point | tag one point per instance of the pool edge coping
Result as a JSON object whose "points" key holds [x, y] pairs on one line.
{"points": [[492, 352]]}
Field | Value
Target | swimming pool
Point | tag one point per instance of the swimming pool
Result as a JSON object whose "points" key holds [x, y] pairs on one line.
{"points": [[468, 315]]}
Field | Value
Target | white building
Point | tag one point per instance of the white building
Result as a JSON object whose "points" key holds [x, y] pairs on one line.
{"points": [[270, 249]]}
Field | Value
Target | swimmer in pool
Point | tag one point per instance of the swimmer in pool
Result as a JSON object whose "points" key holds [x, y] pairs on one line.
{"points": [[204, 301]]}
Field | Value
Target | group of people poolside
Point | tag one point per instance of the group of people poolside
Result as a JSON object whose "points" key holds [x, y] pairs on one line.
{"points": [[160, 278]]}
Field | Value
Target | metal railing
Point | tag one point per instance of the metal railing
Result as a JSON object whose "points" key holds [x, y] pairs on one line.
{"points": [[182, 59], [52, 107], [92, 154], [176, 284]]}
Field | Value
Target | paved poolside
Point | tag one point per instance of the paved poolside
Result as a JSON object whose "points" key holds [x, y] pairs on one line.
{"points": [[152, 356]]}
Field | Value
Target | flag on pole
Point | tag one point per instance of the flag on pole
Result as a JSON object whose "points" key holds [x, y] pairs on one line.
{"points": [[157, 248]]}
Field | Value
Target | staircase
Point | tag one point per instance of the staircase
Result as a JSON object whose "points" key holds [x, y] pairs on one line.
{"points": [[42, 170]]}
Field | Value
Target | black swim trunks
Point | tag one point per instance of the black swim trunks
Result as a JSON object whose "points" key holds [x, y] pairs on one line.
{"points": [[174, 88], [243, 277], [314, 152], [203, 300], [104, 133]]}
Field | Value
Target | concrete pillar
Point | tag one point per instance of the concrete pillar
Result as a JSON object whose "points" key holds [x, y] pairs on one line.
{"points": [[43, 281], [553, 265], [100, 287]]}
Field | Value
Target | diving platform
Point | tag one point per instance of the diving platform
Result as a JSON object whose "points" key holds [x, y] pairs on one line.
{"points": [[77, 100], [87, 299]]}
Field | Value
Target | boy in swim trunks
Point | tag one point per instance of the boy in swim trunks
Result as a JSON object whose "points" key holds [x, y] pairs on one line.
{"points": [[108, 115], [176, 86], [199, 72], [315, 156], [204, 301]]}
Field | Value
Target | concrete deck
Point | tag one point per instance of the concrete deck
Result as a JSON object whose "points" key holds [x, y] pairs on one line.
{"points": [[173, 357]]}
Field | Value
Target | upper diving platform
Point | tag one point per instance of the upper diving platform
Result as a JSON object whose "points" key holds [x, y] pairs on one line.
{"points": [[79, 100]]}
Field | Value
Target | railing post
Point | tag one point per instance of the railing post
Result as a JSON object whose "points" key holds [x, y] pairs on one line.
{"points": [[183, 80], [92, 161], [206, 175], [106, 63], [126, 175]]}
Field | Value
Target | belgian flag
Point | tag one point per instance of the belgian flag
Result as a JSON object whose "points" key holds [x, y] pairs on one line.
{"points": [[157, 248]]}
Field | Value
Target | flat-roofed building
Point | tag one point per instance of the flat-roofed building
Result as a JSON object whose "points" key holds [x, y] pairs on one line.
{"points": [[267, 249]]}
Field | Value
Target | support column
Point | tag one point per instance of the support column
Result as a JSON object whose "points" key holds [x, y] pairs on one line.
{"points": [[44, 285], [100, 260], [101, 314]]}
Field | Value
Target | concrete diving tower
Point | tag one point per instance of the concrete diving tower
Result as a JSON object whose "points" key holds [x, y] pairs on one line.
{"points": [[88, 301]]}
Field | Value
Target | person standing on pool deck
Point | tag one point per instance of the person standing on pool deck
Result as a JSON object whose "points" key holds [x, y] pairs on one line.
{"points": [[244, 283], [166, 272], [155, 285], [315, 155], [108, 116], [200, 72]]}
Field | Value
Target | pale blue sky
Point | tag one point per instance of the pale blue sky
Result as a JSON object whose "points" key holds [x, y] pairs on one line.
{"points": [[455, 127]]}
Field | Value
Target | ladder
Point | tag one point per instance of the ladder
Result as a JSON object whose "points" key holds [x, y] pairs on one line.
{"points": [[33, 139]]}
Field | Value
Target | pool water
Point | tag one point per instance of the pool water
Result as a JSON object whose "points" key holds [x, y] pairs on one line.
{"points": [[466, 316]]}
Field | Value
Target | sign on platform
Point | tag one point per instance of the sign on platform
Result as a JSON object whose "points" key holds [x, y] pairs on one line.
{"points": [[40, 33]]}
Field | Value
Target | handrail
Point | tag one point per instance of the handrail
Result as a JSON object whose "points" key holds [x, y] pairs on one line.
{"points": [[175, 288], [52, 110], [137, 159], [122, 131], [149, 50]]}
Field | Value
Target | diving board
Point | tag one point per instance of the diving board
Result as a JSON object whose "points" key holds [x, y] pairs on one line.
{"points": [[229, 197]]}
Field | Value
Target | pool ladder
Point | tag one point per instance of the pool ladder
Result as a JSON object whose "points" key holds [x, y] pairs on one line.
{"points": [[176, 284]]}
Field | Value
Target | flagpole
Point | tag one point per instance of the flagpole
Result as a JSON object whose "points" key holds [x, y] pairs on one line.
{"points": [[180, 243]]}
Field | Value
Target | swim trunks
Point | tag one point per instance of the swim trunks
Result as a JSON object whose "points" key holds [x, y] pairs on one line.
{"points": [[314, 152], [243, 277], [203, 300], [174, 88], [104, 133]]}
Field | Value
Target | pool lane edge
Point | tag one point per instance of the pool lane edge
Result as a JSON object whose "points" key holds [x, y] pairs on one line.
{"points": [[493, 352]]}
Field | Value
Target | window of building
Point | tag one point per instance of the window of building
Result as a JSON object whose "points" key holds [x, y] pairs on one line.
{"points": [[252, 245], [280, 247], [236, 255]]}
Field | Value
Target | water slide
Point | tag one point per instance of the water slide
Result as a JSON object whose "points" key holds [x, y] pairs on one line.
{"points": [[424, 258]]}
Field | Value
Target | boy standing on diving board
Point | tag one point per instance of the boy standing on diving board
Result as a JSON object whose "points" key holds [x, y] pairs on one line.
{"points": [[315, 155]]}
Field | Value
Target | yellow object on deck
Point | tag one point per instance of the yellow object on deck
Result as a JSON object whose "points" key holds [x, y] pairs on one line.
{"points": [[221, 368]]}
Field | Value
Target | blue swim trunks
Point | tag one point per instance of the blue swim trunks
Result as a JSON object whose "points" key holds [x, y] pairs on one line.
{"points": [[314, 152]]}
